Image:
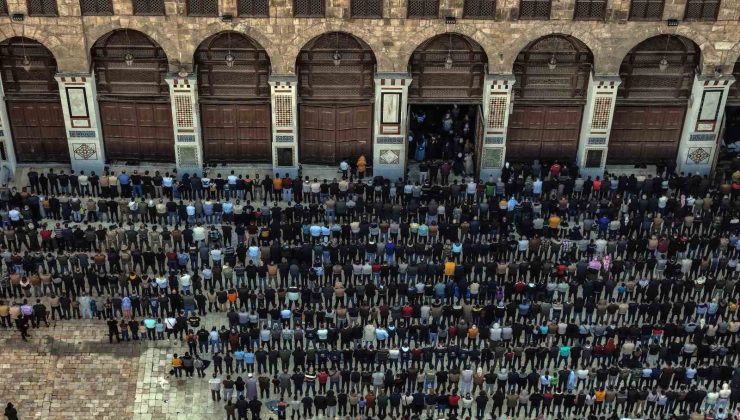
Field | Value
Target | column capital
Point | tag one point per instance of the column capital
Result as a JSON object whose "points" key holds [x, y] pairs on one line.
{"points": [[182, 81], [284, 80], [392, 76], [500, 82], [73, 77], [713, 82], [605, 83]]}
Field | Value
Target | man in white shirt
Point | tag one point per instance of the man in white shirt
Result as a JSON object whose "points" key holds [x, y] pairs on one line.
{"points": [[215, 385]]}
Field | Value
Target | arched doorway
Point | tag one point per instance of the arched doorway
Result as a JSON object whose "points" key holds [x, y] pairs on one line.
{"points": [[445, 97], [32, 96], [552, 76], [657, 76], [336, 90], [133, 96], [234, 98]]}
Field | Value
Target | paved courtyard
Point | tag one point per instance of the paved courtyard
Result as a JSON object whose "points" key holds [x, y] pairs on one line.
{"points": [[69, 371]]}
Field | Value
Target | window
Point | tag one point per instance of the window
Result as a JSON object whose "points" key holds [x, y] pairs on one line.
{"points": [[478, 9], [367, 8], [149, 7], [308, 8], [534, 9], [423, 8], [702, 9], [96, 7], [202, 7], [4, 12], [253, 8], [590, 10], [42, 8], [646, 10]]}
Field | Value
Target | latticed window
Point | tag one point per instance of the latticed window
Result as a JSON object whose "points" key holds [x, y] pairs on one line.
{"points": [[534, 9], [702, 9], [308, 8], [480, 9], [423, 8], [253, 8], [42, 8], [590, 10], [646, 9], [3, 7], [367, 8], [96, 7], [149, 7], [202, 7]]}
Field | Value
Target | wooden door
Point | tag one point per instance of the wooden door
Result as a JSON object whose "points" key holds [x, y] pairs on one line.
{"points": [[543, 132], [645, 134], [236, 132], [138, 131], [332, 133], [39, 134]]}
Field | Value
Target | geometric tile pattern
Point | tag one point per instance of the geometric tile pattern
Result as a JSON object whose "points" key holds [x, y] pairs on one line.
{"points": [[186, 138], [701, 137], [389, 157], [595, 141], [497, 112], [602, 108], [493, 140], [389, 140], [85, 151], [184, 111], [283, 111], [699, 155], [187, 155], [492, 157], [82, 134], [283, 139]]}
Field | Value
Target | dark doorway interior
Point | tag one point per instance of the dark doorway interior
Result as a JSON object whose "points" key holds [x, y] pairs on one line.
{"points": [[443, 132]]}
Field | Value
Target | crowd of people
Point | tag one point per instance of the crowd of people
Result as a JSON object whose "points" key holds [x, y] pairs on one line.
{"points": [[540, 294], [444, 137]]}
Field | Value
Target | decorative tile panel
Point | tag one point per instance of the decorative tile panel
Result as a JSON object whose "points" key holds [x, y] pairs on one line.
{"points": [[186, 138], [85, 151], [493, 140], [389, 157], [701, 137], [597, 141], [492, 158], [389, 140], [187, 155], [699, 155], [602, 109], [497, 111], [283, 111], [82, 134], [184, 111], [283, 139]]}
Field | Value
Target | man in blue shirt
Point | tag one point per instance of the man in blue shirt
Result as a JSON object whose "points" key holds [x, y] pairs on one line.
{"points": [[124, 181]]}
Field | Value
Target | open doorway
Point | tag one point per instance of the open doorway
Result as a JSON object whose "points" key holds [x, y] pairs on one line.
{"points": [[444, 132]]}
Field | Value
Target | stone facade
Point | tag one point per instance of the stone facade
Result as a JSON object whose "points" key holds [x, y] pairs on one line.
{"points": [[392, 38]]}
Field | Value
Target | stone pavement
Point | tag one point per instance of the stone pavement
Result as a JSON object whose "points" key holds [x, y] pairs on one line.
{"points": [[70, 371]]}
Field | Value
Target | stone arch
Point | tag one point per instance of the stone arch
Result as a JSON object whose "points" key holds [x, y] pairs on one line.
{"points": [[434, 78], [709, 57], [245, 76], [407, 49], [157, 33], [553, 66], [285, 57], [515, 46]]}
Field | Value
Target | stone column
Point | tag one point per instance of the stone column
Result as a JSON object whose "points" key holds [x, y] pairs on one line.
{"points": [[596, 124], [284, 116], [390, 124], [701, 126], [82, 121], [186, 122], [7, 149], [497, 96]]}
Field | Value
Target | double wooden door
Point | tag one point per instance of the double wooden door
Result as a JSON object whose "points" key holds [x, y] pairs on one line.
{"points": [[138, 131], [236, 132], [547, 132], [645, 134], [330, 134], [39, 134]]}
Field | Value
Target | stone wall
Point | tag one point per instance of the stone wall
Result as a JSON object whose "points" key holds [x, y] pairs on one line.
{"points": [[392, 38]]}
